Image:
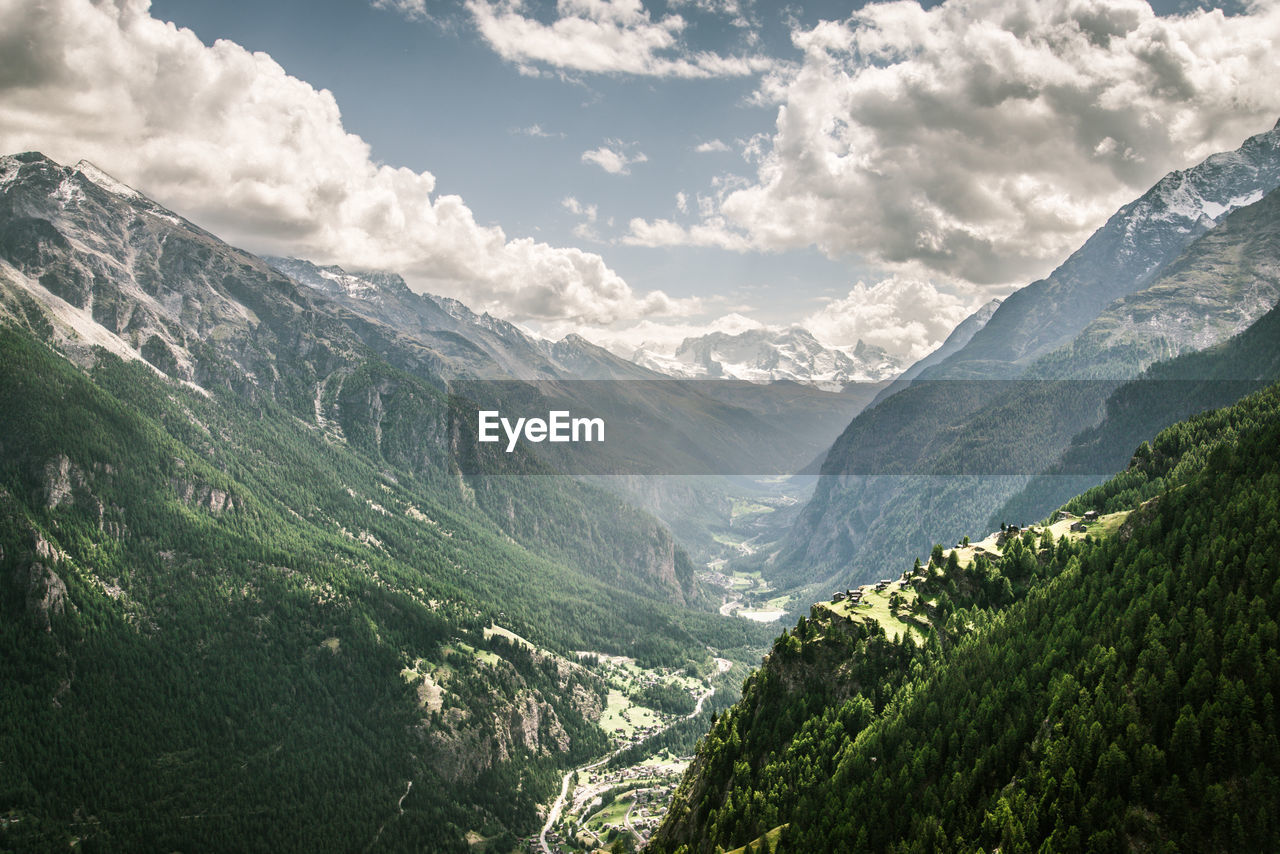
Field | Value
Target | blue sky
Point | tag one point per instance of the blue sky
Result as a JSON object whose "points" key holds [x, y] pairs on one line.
{"points": [[874, 173], [431, 95]]}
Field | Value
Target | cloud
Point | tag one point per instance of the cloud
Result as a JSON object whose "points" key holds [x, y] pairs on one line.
{"points": [[906, 316], [982, 140], [602, 37], [711, 146], [414, 10], [613, 157], [737, 13], [230, 140], [537, 131], [713, 233], [585, 230]]}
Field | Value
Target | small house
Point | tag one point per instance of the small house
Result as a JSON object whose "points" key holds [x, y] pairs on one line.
{"points": [[1091, 515]]}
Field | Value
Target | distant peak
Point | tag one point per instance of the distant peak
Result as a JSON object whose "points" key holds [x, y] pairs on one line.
{"points": [[105, 181]]}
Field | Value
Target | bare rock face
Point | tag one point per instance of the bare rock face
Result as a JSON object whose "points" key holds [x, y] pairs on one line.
{"points": [[462, 747], [531, 720], [63, 483], [44, 591], [525, 720], [57, 481], [586, 702], [204, 496]]}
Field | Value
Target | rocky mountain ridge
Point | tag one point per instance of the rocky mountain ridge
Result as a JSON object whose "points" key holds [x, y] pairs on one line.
{"points": [[1162, 277]]}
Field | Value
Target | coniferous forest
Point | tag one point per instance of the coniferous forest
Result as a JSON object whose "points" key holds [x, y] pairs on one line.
{"points": [[1110, 694]]}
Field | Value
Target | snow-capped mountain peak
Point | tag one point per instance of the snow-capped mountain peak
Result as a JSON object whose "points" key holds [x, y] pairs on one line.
{"points": [[771, 355]]}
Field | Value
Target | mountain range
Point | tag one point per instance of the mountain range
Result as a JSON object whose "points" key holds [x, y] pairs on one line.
{"points": [[1039, 688], [1190, 263], [765, 356], [263, 589], [1097, 682], [244, 574]]}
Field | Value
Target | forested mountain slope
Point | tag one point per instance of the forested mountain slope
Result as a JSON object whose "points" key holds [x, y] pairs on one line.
{"points": [[1106, 694], [244, 586]]}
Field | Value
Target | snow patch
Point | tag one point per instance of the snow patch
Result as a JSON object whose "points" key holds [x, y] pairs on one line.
{"points": [[1215, 210], [105, 181], [68, 193], [8, 171], [769, 355]]}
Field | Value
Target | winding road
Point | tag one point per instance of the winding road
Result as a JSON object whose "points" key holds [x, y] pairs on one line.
{"points": [[556, 808]]}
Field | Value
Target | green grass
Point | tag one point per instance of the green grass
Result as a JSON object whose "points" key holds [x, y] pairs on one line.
{"points": [[728, 538], [779, 603], [742, 507], [749, 581], [509, 635], [1105, 526], [875, 606], [613, 814], [483, 655], [613, 722], [771, 837]]}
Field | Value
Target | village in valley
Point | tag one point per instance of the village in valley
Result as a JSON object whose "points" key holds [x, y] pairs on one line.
{"points": [[606, 803]]}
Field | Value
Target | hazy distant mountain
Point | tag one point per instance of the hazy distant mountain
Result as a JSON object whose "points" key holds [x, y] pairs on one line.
{"points": [[764, 356]]}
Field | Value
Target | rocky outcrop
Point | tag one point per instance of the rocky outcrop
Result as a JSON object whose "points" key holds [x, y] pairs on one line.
{"points": [[64, 484], [43, 591], [462, 746], [533, 725], [203, 496]]}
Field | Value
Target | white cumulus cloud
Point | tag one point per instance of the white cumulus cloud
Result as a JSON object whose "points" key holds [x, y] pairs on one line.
{"points": [[712, 233], [982, 140], [906, 316], [601, 36], [230, 140], [711, 146], [614, 157]]}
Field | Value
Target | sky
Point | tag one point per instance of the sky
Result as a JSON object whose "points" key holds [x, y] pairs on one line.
{"points": [[642, 170]]}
